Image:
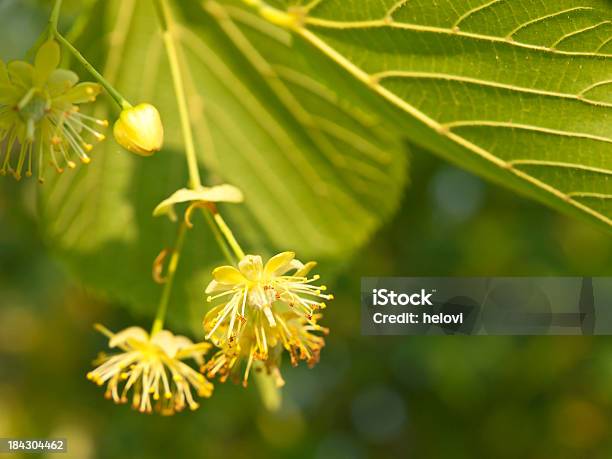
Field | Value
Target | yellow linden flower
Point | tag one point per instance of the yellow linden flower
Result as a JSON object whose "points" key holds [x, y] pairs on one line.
{"points": [[39, 114], [295, 334], [266, 309], [153, 368], [139, 129]]}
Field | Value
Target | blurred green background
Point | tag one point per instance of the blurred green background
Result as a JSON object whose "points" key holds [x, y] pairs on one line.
{"points": [[422, 397]]}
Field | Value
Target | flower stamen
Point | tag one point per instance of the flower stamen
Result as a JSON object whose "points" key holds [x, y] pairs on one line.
{"points": [[266, 310], [150, 366], [42, 116]]}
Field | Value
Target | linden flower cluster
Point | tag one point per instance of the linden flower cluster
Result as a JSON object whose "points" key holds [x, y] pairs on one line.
{"points": [[40, 117], [152, 368], [267, 308]]}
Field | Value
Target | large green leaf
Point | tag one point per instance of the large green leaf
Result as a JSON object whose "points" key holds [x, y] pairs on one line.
{"points": [[519, 91], [319, 172]]}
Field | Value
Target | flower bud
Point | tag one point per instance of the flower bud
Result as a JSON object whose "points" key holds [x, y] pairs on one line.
{"points": [[139, 129]]}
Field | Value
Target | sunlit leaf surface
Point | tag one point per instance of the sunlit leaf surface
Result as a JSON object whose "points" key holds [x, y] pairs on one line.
{"points": [[519, 91], [318, 169]]}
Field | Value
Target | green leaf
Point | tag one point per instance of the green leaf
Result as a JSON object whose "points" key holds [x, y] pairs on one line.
{"points": [[518, 91], [318, 171]]}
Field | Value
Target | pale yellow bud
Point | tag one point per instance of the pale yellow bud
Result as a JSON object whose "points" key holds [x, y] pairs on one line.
{"points": [[139, 129]]}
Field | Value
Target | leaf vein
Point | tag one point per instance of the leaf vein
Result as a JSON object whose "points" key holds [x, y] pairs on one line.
{"points": [[474, 10], [450, 77], [560, 164], [391, 24], [546, 17], [577, 32], [527, 127]]}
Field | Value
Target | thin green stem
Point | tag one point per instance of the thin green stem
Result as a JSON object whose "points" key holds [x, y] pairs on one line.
{"points": [[54, 33], [158, 323], [121, 101], [229, 236], [218, 237], [54, 18], [166, 23]]}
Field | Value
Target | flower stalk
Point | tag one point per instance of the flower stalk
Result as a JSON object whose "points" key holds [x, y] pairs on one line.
{"points": [[227, 253], [117, 97], [229, 235], [162, 308], [165, 20], [269, 392], [54, 33], [54, 18]]}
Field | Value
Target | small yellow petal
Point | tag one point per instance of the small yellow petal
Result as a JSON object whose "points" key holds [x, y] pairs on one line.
{"points": [[20, 73], [228, 275], [304, 270], [130, 333], [60, 81], [278, 261], [46, 61], [81, 93], [251, 267]]}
